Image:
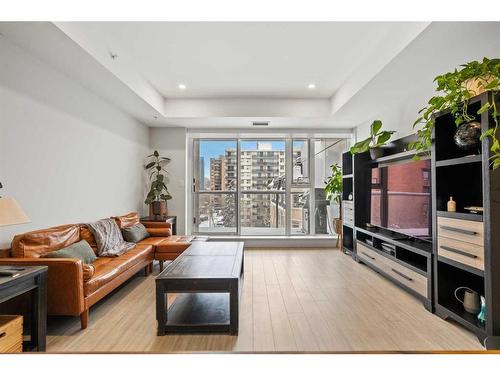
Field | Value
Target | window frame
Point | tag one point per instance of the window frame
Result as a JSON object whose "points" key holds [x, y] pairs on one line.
{"points": [[290, 189]]}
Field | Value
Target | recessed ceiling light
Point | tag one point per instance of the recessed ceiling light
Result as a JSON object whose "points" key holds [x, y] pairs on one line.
{"points": [[182, 86], [311, 86]]}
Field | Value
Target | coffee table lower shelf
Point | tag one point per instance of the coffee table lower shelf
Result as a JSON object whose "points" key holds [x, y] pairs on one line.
{"points": [[199, 313]]}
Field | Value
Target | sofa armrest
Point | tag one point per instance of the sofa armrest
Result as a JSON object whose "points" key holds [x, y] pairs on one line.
{"points": [[64, 282], [156, 224], [159, 232]]}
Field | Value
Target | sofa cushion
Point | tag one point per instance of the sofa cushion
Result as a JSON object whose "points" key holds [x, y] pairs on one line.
{"points": [[38, 243], [109, 238], [107, 269], [135, 233], [127, 220], [159, 232], [153, 241], [86, 234], [79, 250], [174, 244]]}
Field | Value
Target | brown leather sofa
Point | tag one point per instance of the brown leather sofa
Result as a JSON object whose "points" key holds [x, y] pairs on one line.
{"points": [[74, 287]]}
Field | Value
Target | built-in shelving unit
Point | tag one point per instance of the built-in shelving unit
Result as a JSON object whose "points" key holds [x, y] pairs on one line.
{"points": [[347, 204], [465, 246]]}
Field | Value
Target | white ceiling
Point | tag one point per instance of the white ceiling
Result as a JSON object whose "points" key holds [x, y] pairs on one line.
{"points": [[247, 59], [236, 73]]}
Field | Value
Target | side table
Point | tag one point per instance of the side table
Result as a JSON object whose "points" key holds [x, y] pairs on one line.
{"points": [[163, 219], [30, 279]]}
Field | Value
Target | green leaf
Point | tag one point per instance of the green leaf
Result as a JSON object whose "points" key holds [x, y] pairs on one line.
{"points": [[383, 138], [361, 146], [487, 133], [493, 84], [484, 108], [149, 165], [375, 127]]}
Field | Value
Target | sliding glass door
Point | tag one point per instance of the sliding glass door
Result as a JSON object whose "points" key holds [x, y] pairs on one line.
{"points": [[262, 187], [215, 186]]}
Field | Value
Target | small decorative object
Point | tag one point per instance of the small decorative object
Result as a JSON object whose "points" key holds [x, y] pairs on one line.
{"points": [[158, 194], [482, 314], [349, 196], [471, 301], [374, 142], [474, 209], [454, 91], [467, 136], [452, 205]]}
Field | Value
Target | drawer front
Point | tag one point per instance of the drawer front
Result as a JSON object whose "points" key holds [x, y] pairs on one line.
{"points": [[462, 230], [11, 333], [462, 252], [405, 276], [369, 255], [410, 278]]}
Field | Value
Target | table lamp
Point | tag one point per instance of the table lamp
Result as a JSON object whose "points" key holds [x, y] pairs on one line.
{"points": [[11, 213]]}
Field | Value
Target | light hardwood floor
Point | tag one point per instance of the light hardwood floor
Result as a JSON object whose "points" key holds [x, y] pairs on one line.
{"points": [[292, 300]]}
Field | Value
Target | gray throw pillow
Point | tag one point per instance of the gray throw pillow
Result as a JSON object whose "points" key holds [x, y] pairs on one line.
{"points": [[135, 233], [108, 238], [79, 250]]}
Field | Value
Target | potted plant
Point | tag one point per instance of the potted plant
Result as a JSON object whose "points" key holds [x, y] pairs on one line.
{"points": [[158, 193], [454, 91], [333, 191], [374, 142]]}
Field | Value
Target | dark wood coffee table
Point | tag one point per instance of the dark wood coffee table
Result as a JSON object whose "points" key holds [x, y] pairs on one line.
{"points": [[207, 281]]}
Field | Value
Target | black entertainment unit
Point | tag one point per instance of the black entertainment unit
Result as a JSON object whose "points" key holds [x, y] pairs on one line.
{"points": [[404, 260], [464, 250]]}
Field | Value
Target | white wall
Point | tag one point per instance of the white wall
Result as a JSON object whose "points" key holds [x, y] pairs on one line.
{"points": [[171, 143], [66, 154], [405, 85]]}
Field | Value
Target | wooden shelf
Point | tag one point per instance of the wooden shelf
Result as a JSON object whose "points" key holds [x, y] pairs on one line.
{"points": [[463, 317], [461, 160], [393, 258], [460, 215], [419, 249], [461, 266], [405, 155]]}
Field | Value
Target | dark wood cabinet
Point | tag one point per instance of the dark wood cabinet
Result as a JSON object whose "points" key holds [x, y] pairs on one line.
{"points": [[163, 219], [466, 244]]}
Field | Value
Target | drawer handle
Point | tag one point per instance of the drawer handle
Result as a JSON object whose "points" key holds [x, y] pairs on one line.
{"points": [[453, 250], [2, 334], [401, 274], [369, 256], [459, 230]]}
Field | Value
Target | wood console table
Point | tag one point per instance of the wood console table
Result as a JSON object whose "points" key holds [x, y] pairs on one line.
{"points": [[163, 219], [31, 279]]}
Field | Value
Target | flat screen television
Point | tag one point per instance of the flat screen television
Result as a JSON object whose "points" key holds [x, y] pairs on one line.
{"points": [[401, 198]]}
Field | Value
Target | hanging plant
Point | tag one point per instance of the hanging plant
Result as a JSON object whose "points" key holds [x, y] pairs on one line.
{"points": [[455, 89]]}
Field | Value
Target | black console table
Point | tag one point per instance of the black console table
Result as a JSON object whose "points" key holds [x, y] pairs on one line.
{"points": [[30, 279]]}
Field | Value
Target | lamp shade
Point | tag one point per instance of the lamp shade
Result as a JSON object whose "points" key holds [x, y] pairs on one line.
{"points": [[11, 213]]}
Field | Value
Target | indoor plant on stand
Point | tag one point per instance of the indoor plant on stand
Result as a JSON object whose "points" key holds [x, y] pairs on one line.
{"points": [[158, 194], [374, 142], [333, 192], [454, 90]]}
